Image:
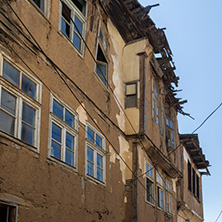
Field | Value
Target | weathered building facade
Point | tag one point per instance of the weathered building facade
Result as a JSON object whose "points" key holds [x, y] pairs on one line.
{"points": [[88, 116]]}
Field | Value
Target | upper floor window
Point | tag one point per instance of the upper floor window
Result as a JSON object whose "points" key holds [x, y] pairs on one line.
{"points": [[160, 196], [168, 198], [170, 133], [155, 105], [73, 21], [149, 184], [8, 213], [40, 4], [101, 57], [19, 104], [95, 149], [64, 134], [131, 94], [193, 181]]}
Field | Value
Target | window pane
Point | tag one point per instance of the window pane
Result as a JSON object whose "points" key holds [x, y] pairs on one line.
{"points": [[89, 154], [69, 118], [149, 190], [171, 124], [27, 134], [99, 161], [7, 123], [65, 27], [40, 4], [101, 71], [55, 150], [28, 86], [66, 12], [77, 41], [167, 121], [78, 26], [28, 114], [90, 134], [10, 73], [81, 5], [69, 141], [99, 175], [98, 141], [57, 109], [90, 169], [69, 157], [8, 102], [101, 35], [56, 132]]}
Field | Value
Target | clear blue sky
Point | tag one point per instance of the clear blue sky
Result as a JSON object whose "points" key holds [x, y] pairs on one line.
{"points": [[194, 32]]}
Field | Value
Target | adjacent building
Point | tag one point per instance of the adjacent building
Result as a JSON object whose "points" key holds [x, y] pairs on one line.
{"points": [[88, 116]]}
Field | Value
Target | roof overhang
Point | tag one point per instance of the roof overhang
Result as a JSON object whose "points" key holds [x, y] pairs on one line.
{"points": [[191, 144]]}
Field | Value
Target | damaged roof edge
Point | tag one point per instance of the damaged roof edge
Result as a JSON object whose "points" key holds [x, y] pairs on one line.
{"points": [[192, 146], [126, 16]]}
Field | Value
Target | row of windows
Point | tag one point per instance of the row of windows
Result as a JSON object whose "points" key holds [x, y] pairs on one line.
{"points": [[73, 27], [20, 110], [163, 197]]}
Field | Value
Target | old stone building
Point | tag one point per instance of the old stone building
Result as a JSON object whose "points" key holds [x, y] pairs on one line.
{"points": [[88, 116]]}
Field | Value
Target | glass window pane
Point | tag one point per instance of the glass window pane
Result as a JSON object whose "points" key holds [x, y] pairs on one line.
{"points": [[69, 157], [171, 124], [69, 118], [27, 134], [66, 12], [57, 109], [56, 132], [101, 71], [149, 189], [101, 35], [78, 26], [8, 102], [89, 154], [40, 4], [69, 141], [90, 134], [90, 169], [10, 73], [76, 41], [98, 141], [55, 150], [99, 161], [7, 123], [28, 114], [99, 175], [28, 86], [167, 121], [65, 27], [81, 5]]}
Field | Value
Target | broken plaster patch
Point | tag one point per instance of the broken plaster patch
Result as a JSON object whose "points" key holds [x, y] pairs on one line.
{"points": [[112, 155], [118, 91], [82, 114], [124, 152]]}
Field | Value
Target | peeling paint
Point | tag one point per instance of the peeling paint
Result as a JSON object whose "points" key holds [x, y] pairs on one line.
{"points": [[82, 114], [124, 152], [117, 77], [174, 185], [125, 199], [112, 155]]}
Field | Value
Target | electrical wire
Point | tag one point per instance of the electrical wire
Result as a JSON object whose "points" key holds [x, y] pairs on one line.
{"points": [[218, 216]]}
